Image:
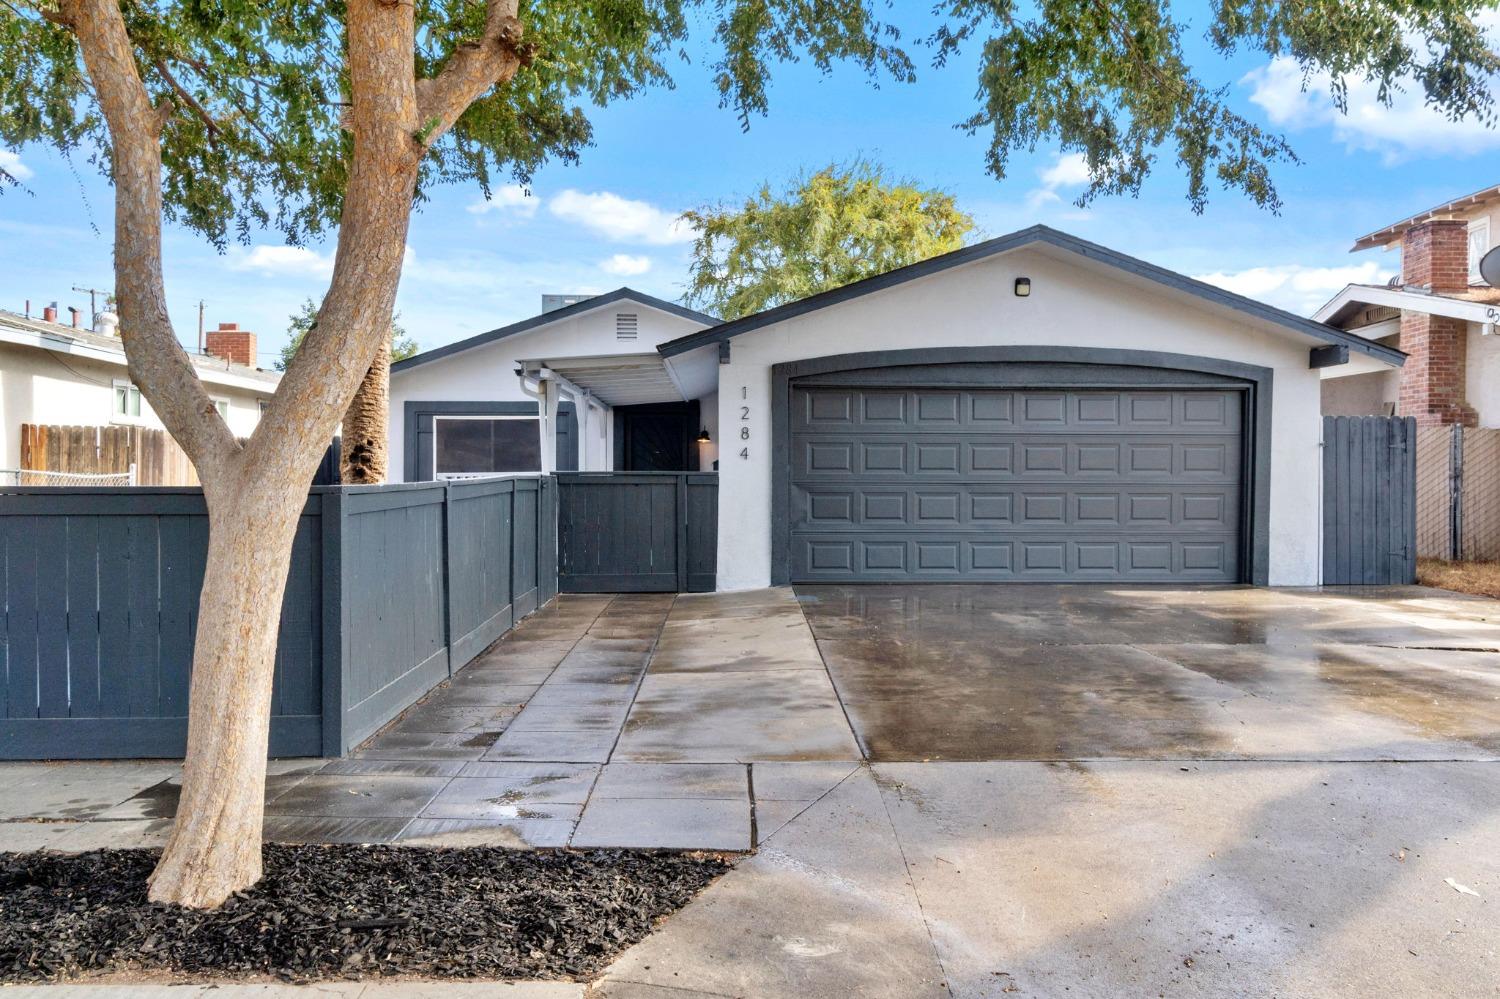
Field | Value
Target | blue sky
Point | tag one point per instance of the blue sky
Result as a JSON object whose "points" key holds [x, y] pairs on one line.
{"points": [[609, 220]]}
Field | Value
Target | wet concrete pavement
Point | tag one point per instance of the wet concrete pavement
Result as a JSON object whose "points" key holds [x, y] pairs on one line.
{"points": [[1072, 672], [600, 721], [958, 791]]}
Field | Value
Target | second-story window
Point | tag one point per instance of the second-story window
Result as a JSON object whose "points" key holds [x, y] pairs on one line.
{"points": [[1479, 245]]}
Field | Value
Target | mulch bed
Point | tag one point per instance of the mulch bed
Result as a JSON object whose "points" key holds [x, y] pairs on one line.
{"points": [[325, 912]]}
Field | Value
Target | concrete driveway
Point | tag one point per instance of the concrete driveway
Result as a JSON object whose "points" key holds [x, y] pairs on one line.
{"points": [[1102, 792], [973, 791], [1091, 672]]}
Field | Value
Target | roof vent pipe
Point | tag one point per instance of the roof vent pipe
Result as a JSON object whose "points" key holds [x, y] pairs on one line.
{"points": [[49, 313], [76, 315]]}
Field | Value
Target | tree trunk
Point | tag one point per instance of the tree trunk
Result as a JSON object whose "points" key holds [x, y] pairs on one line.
{"points": [[363, 454], [255, 490], [214, 849]]}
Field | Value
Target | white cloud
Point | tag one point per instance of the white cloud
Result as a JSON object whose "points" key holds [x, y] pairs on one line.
{"points": [[11, 163], [1407, 129], [621, 219], [625, 265], [282, 260], [1067, 170], [1297, 287], [512, 199], [293, 261]]}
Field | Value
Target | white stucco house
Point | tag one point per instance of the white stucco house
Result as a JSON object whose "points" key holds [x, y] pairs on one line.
{"points": [[64, 374], [1031, 408]]}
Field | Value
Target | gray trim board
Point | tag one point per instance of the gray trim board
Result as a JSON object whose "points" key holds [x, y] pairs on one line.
{"points": [[566, 312], [1328, 356], [1039, 366], [1017, 240]]}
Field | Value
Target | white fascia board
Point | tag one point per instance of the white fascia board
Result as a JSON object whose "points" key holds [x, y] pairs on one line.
{"points": [[1409, 301]]}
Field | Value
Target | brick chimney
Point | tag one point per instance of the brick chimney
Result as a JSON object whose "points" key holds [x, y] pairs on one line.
{"points": [[49, 313], [1435, 259], [231, 343]]}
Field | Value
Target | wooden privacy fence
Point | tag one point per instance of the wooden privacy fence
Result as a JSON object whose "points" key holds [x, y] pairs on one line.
{"points": [[104, 450], [1369, 500], [390, 590], [637, 532], [1458, 493]]}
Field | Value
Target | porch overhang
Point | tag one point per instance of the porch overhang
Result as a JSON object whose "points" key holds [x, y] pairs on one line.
{"points": [[629, 379], [1343, 305]]}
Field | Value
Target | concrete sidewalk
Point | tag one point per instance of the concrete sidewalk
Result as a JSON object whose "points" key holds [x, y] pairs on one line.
{"points": [[1220, 793], [1104, 880], [641, 720]]}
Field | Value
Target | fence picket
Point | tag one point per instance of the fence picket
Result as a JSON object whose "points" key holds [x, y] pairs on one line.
{"points": [[388, 587], [1369, 523]]}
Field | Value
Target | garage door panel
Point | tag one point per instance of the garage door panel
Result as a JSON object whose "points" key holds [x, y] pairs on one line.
{"points": [[982, 507], [1015, 484], [1014, 558], [1006, 457]]}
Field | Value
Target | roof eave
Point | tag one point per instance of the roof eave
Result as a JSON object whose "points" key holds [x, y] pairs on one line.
{"points": [[1016, 240], [556, 315], [1386, 235]]}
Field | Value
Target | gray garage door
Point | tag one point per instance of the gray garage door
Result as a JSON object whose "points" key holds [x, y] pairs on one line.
{"points": [[1015, 485]]}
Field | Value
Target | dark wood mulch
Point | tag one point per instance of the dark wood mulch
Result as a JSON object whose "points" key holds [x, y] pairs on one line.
{"points": [[345, 912]]}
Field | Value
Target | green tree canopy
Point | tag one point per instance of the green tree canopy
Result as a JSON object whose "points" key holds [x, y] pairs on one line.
{"points": [[259, 90], [825, 230], [306, 317]]}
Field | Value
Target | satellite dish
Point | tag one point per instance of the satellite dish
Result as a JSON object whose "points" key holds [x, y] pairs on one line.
{"points": [[1489, 267]]}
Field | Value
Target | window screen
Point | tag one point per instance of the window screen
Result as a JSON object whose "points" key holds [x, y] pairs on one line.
{"points": [[479, 445]]}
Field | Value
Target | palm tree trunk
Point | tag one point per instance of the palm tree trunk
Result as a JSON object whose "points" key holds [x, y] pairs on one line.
{"points": [[363, 456]]}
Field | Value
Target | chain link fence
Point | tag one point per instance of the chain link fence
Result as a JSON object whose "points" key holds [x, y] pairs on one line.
{"points": [[1458, 494]]}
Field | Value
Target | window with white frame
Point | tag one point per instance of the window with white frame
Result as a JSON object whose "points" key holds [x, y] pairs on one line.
{"points": [[485, 445], [1479, 245], [126, 404], [222, 405]]}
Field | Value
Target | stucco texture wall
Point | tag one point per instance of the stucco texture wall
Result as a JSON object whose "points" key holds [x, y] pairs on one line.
{"points": [[1072, 303], [42, 386]]}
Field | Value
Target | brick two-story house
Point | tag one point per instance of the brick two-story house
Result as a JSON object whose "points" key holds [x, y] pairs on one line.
{"points": [[1439, 311]]}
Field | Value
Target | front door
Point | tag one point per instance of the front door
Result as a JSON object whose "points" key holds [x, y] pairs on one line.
{"points": [[656, 438]]}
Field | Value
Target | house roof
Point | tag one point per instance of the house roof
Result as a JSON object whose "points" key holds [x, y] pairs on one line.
{"points": [[1394, 231], [1479, 305], [556, 315], [64, 339], [1044, 235]]}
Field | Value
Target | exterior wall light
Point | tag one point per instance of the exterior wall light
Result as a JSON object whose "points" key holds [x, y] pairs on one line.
{"points": [[703, 437], [1023, 287]]}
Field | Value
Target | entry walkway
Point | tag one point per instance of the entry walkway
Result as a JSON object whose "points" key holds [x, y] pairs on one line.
{"points": [[695, 722]]}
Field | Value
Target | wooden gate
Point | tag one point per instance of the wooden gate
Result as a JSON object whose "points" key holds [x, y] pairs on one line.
{"points": [[1369, 500], [637, 532]]}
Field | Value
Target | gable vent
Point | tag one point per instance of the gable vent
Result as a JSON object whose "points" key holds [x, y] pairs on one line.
{"points": [[627, 325]]}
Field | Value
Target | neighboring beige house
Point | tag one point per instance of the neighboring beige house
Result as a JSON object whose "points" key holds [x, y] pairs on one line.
{"points": [[61, 374], [1439, 311]]}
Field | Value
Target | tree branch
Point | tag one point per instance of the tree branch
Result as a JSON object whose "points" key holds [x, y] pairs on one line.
{"points": [[354, 319], [187, 99], [473, 68], [157, 362]]}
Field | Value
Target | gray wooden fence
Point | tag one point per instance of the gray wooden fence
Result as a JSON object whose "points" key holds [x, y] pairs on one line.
{"points": [[636, 532], [390, 590], [1369, 500]]}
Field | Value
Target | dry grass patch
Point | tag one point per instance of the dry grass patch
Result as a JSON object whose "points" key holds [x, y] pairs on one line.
{"points": [[1479, 578]]}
